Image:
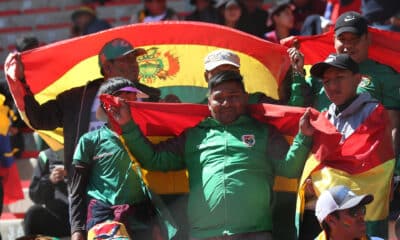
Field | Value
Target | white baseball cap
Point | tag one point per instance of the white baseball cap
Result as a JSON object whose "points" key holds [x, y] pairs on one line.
{"points": [[339, 198], [220, 57]]}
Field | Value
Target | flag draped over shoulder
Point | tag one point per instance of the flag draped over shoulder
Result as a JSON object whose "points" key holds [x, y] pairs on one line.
{"points": [[364, 162], [384, 47], [160, 121], [173, 63]]}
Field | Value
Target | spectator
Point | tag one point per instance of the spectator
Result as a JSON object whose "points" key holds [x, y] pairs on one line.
{"points": [[48, 190], [281, 22], [340, 76], [85, 21], [6, 157], [155, 11], [257, 17], [73, 108], [341, 214], [220, 60], [233, 15], [204, 12], [381, 81], [379, 12], [224, 175], [314, 25], [305, 8], [104, 180]]}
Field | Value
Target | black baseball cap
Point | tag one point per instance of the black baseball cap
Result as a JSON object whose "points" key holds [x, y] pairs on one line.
{"points": [[351, 22], [342, 61]]}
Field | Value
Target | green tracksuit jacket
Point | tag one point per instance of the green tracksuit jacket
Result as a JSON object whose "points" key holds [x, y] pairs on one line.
{"points": [[231, 171]]}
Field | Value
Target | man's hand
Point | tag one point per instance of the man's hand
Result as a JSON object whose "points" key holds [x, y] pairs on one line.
{"points": [[121, 113], [304, 124], [57, 174], [78, 236], [297, 59]]}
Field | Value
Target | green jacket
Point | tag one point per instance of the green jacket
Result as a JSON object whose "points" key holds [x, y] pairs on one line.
{"points": [[231, 171]]}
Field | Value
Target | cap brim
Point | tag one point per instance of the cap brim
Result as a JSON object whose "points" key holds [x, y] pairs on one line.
{"points": [[212, 65], [348, 29], [359, 200], [317, 70], [139, 94], [137, 51]]}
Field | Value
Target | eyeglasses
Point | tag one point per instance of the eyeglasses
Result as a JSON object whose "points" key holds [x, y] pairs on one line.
{"points": [[357, 211]]}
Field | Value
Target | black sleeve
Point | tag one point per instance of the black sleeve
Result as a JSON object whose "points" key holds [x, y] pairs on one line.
{"points": [[78, 207], [41, 190], [47, 116]]}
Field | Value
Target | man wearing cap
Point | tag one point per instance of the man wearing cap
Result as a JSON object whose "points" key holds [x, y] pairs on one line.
{"points": [[340, 76], [85, 22], [103, 180], [231, 158], [74, 109], [220, 60], [341, 214], [381, 81]]}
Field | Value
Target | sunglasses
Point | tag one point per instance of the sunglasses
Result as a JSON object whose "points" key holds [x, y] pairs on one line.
{"points": [[357, 211]]}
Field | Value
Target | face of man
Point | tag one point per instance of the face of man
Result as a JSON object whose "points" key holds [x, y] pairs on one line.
{"points": [[340, 85], [284, 18], [125, 66], [227, 101], [208, 74], [354, 45], [232, 13], [350, 223]]}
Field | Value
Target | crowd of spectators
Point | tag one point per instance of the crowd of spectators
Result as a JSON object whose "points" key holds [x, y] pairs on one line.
{"points": [[282, 19]]}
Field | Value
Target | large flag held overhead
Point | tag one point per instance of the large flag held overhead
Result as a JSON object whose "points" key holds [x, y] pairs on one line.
{"points": [[384, 47], [364, 162], [173, 63]]}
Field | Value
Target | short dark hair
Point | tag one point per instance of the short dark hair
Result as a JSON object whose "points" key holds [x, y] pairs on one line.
{"points": [[112, 85], [26, 43], [225, 76], [325, 225]]}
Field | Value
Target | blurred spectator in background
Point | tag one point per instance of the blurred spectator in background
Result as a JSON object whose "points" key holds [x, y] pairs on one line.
{"points": [[281, 22], [101, 2], [304, 8], [335, 8], [85, 21], [315, 24], [154, 11], [204, 12], [232, 12], [257, 15], [48, 190], [383, 14]]}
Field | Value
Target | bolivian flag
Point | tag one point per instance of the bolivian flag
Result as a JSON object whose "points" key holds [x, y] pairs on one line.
{"points": [[384, 48], [173, 63], [364, 162]]}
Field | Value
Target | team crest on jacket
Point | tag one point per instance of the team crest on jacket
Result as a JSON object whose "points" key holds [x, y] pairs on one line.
{"points": [[249, 139]]}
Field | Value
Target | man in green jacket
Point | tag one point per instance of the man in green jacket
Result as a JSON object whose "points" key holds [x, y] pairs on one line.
{"points": [[231, 158]]}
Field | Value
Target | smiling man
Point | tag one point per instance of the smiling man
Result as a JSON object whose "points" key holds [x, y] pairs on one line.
{"points": [[232, 160]]}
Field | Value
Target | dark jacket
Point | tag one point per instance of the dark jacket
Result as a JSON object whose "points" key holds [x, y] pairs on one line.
{"points": [[70, 110]]}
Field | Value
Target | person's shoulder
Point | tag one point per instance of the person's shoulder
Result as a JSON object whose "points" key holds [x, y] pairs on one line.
{"points": [[374, 66], [93, 84]]}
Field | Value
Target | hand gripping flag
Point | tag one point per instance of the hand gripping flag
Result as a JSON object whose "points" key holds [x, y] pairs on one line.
{"points": [[383, 49], [364, 162]]}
